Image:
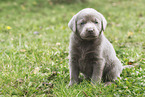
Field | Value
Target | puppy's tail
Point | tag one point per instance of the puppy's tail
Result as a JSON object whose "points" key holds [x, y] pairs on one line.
{"points": [[128, 66]]}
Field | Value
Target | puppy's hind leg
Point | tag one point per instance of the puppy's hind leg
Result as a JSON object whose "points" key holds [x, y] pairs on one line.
{"points": [[113, 71]]}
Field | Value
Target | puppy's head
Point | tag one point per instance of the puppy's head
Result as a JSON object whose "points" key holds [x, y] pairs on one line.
{"points": [[88, 24]]}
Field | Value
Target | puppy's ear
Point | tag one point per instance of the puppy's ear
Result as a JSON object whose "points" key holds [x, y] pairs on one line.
{"points": [[72, 24], [104, 22]]}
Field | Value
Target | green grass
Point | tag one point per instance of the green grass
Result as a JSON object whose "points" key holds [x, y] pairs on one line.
{"points": [[36, 65]]}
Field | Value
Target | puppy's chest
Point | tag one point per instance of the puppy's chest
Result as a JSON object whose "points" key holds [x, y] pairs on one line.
{"points": [[86, 58]]}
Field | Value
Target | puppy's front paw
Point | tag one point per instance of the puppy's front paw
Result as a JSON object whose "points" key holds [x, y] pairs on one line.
{"points": [[96, 80], [72, 83], [69, 85], [108, 83]]}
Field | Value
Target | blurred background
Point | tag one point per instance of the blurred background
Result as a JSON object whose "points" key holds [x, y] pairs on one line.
{"points": [[34, 40]]}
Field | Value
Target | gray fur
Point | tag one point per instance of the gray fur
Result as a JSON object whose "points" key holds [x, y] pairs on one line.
{"points": [[90, 51]]}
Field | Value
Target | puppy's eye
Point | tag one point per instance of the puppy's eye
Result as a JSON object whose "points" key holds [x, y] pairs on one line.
{"points": [[82, 23], [96, 22]]}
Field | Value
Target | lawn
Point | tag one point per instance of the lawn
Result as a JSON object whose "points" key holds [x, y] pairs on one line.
{"points": [[34, 40]]}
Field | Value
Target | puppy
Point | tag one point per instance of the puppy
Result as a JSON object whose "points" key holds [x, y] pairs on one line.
{"points": [[90, 51]]}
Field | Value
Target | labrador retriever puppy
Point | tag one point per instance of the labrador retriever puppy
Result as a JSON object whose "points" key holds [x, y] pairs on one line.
{"points": [[89, 50]]}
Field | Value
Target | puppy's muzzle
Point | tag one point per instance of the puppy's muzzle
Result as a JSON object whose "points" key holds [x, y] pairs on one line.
{"points": [[90, 32]]}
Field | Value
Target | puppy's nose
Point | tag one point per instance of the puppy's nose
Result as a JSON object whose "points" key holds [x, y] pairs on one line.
{"points": [[90, 30]]}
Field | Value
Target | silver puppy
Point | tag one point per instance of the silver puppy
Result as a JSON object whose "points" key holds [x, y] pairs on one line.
{"points": [[90, 51]]}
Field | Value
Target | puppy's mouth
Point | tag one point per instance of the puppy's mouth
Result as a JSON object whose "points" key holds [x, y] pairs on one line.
{"points": [[90, 37]]}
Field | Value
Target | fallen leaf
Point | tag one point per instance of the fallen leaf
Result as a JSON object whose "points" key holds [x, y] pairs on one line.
{"points": [[130, 34], [130, 63], [100, 92]]}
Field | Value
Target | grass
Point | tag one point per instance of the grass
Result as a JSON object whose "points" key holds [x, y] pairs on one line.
{"points": [[34, 40]]}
